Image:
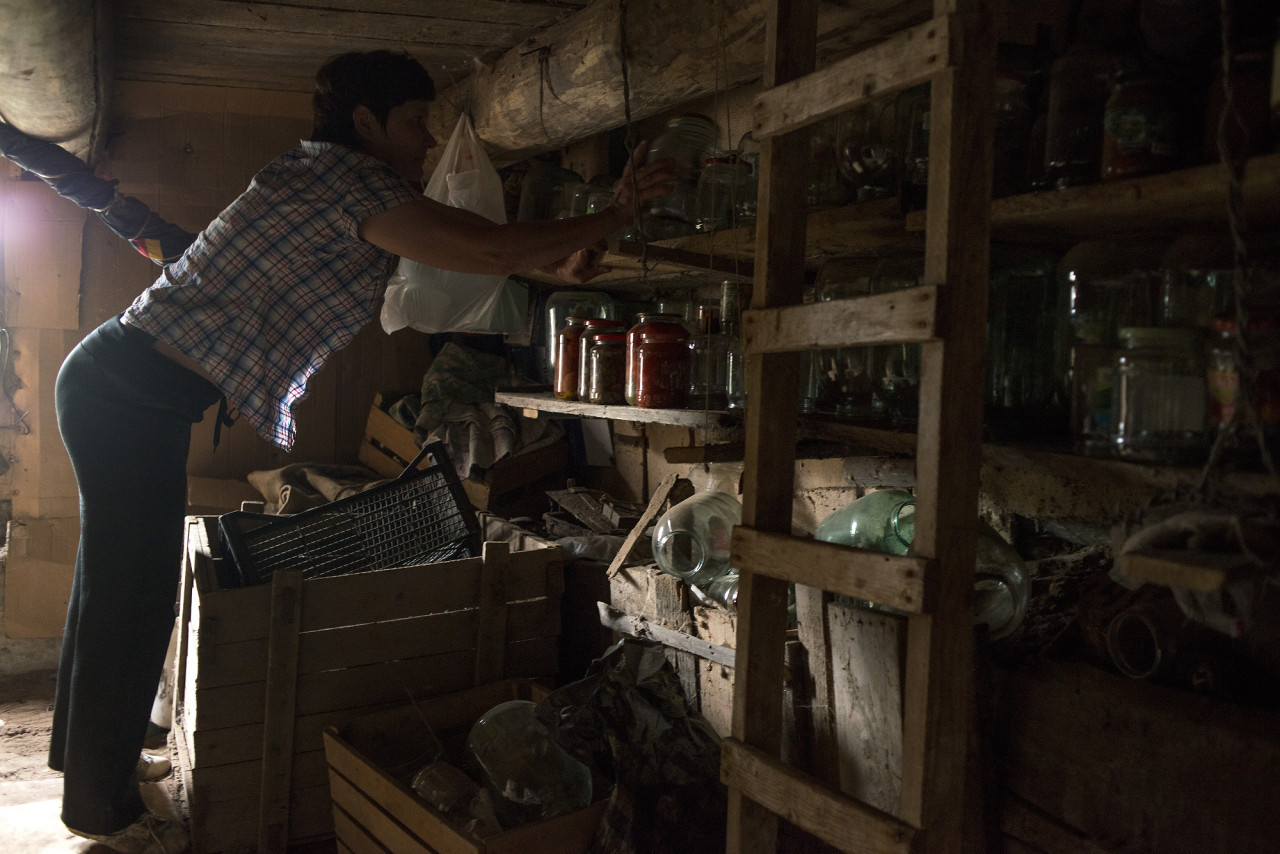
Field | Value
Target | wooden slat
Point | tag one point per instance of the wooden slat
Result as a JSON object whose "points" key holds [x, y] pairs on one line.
{"points": [[491, 630], [939, 663], [901, 582], [835, 818], [769, 465], [639, 627], [278, 709], [369, 816], [351, 837], [1203, 572], [905, 59], [898, 317], [656, 500]]}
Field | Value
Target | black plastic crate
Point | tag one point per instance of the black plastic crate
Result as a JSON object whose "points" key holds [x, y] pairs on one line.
{"points": [[423, 516]]}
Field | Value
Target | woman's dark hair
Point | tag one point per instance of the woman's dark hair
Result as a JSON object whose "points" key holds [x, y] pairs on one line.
{"points": [[377, 79]]}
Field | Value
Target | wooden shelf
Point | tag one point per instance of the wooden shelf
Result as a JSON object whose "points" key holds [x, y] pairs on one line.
{"points": [[1195, 197], [534, 405]]}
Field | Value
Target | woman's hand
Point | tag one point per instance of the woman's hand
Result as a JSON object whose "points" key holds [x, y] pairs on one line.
{"points": [[579, 267], [651, 181]]}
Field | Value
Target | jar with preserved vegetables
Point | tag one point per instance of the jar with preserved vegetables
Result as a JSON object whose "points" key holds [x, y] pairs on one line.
{"points": [[568, 343], [607, 369], [1079, 86], [594, 326], [1160, 400], [658, 363]]}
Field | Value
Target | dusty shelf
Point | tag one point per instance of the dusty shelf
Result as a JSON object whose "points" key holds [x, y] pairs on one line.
{"points": [[546, 403]]}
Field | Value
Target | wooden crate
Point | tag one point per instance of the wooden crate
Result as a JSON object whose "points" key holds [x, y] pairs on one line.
{"points": [[373, 811], [263, 670], [512, 487]]}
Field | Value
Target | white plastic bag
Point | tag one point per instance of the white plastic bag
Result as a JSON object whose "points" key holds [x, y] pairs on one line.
{"points": [[429, 299]]}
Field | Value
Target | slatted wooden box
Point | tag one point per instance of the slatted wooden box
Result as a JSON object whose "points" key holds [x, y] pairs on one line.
{"points": [[375, 812], [262, 671]]}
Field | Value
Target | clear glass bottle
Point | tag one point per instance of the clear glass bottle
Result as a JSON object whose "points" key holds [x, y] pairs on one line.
{"points": [[529, 775], [735, 380], [568, 344], [607, 369], [723, 592], [882, 521], [692, 539], [1160, 400]]}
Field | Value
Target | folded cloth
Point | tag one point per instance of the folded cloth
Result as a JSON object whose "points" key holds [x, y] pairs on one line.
{"points": [[301, 486]]}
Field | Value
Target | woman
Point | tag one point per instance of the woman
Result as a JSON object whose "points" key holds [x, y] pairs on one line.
{"points": [[286, 275]]}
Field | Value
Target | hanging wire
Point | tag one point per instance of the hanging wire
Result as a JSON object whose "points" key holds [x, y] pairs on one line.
{"points": [[1233, 159], [630, 142]]}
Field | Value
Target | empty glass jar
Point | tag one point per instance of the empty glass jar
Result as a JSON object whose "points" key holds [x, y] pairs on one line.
{"points": [[691, 540], [1160, 399]]}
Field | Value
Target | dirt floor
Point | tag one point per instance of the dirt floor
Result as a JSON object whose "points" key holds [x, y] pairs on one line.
{"points": [[30, 793]]}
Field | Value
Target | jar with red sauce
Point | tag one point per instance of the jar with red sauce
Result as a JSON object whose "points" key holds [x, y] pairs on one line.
{"points": [[659, 363]]}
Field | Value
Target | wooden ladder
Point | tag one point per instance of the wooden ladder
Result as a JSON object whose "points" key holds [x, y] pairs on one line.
{"points": [[933, 584]]}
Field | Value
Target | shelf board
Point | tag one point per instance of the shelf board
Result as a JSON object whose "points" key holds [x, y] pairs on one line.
{"points": [[1202, 572], [532, 405], [1154, 203]]}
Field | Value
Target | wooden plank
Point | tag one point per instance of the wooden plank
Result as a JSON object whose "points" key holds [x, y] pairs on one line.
{"points": [[769, 465], [940, 646], [833, 817], [369, 643], [901, 582], [216, 783], [547, 402], [638, 627], [1203, 572], [278, 710], [814, 632], [491, 628], [656, 252], [906, 58], [356, 687], [650, 513], [901, 316], [366, 813], [351, 838], [233, 825], [368, 791]]}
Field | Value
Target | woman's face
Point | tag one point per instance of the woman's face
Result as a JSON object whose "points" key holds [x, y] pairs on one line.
{"points": [[404, 142]]}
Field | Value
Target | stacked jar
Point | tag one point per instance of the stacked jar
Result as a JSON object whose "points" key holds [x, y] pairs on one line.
{"points": [[686, 142], [607, 369], [708, 387], [568, 346], [593, 327], [658, 363]]}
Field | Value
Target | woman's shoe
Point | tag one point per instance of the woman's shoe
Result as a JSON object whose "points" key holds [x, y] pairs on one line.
{"points": [[150, 834], [152, 768]]}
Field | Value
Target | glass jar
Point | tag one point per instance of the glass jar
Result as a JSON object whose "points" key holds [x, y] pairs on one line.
{"points": [[1012, 136], [865, 156], [1079, 86], [546, 192], [838, 381], [723, 591], [1160, 400], [1106, 285], [561, 305], [568, 342], [882, 521], [1026, 340], [721, 187], [691, 541], [822, 186], [607, 369], [912, 116], [594, 326], [686, 141], [528, 774], [658, 362], [735, 380], [1140, 127], [708, 384], [1196, 280], [748, 154], [592, 196], [895, 368]]}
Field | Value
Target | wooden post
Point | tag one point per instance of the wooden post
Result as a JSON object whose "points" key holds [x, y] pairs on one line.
{"points": [[278, 711], [491, 635]]}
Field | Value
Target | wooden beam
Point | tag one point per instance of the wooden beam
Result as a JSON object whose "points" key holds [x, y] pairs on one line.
{"points": [[810, 805], [895, 581], [909, 57], [901, 316], [639, 627]]}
